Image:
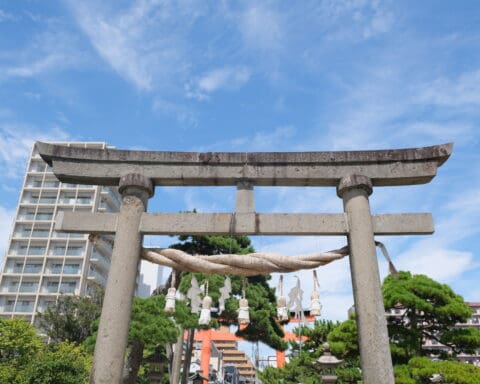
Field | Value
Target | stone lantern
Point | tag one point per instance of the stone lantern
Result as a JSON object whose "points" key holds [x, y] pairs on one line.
{"points": [[326, 364]]}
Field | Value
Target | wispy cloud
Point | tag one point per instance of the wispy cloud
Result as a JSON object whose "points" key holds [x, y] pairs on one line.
{"points": [[145, 44], [262, 27], [221, 78], [16, 141], [276, 139], [6, 16], [50, 51], [460, 91]]}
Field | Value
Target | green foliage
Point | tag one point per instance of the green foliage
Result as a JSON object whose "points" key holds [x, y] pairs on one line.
{"points": [[71, 317], [63, 363], [214, 245], [261, 297], [24, 359], [300, 369], [343, 340], [431, 311], [420, 370], [150, 324], [349, 372], [316, 336], [19, 341]]}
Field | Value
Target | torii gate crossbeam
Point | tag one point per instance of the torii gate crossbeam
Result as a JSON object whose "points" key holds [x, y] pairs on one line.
{"points": [[353, 173]]}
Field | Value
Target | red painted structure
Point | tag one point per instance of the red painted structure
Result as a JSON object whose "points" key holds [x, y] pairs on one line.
{"points": [[206, 336]]}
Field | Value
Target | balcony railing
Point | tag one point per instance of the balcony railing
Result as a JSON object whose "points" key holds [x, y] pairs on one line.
{"points": [[28, 288], [50, 289], [32, 269], [23, 308], [67, 288], [71, 270]]}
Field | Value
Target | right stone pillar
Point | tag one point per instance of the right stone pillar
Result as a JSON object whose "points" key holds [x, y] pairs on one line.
{"points": [[376, 360]]}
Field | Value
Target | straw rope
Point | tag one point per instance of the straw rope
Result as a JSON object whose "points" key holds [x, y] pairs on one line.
{"points": [[245, 265]]}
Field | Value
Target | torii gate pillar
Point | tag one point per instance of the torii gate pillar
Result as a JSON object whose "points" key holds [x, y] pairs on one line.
{"points": [[112, 335], [352, 172], [376, 360]]}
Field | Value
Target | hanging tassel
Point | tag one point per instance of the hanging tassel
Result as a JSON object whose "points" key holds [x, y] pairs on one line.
{"points": [[205, 315], [170, 303], [170, 298], [243, 314], [282, 311], [315, 306]]}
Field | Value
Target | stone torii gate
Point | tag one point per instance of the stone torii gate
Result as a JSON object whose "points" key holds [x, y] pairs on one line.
{"points": [[136, 173]]}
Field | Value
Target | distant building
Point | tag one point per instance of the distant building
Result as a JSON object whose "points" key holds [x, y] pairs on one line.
{"points": [[435, 346], [42, 264]]}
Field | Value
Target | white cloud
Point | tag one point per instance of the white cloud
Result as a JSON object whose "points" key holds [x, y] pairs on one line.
{"points": [[145, 44], [462, 91], [441, 264], [181, 113], [52, 50], [51, 61], [6, 16], [221, 78], [379, 111], [277, 139], [16, 141], [438, 255], [380, 21], [224, 77], [261, 28]]}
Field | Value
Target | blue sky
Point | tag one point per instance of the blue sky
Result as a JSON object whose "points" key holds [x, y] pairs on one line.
{"points": [[259, 76]]}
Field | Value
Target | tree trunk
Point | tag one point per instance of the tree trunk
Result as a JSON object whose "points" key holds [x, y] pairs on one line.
{"points": [[188, 355], [177, 359], [133, 362]]}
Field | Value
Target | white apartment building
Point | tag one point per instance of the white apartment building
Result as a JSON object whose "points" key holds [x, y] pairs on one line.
{"points": [[41, 264]]}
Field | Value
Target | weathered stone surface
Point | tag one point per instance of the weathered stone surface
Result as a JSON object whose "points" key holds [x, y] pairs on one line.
{"points": [[107, 166], [354, 181], [376, 361], [244, 223], [112, 335], [137, 182]]}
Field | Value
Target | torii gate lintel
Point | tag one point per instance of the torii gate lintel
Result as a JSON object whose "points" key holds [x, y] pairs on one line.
{"points": [[353, 173]]}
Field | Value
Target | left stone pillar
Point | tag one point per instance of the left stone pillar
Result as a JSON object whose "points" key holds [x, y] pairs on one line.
{"points": [[112, 335]]}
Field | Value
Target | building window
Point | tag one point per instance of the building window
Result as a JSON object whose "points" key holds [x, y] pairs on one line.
{"points": [[57, 250], [52, 286], [84, 199], [56, 268], [71, 269], [13, 286], [18, 268], [32, 268], [10, 305], [24, 306], [68, 287], [75, 250], [28, 286], [36, 250]]}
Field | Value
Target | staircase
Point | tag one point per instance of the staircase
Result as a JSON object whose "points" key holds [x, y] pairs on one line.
{"points": [[232, 356]]}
